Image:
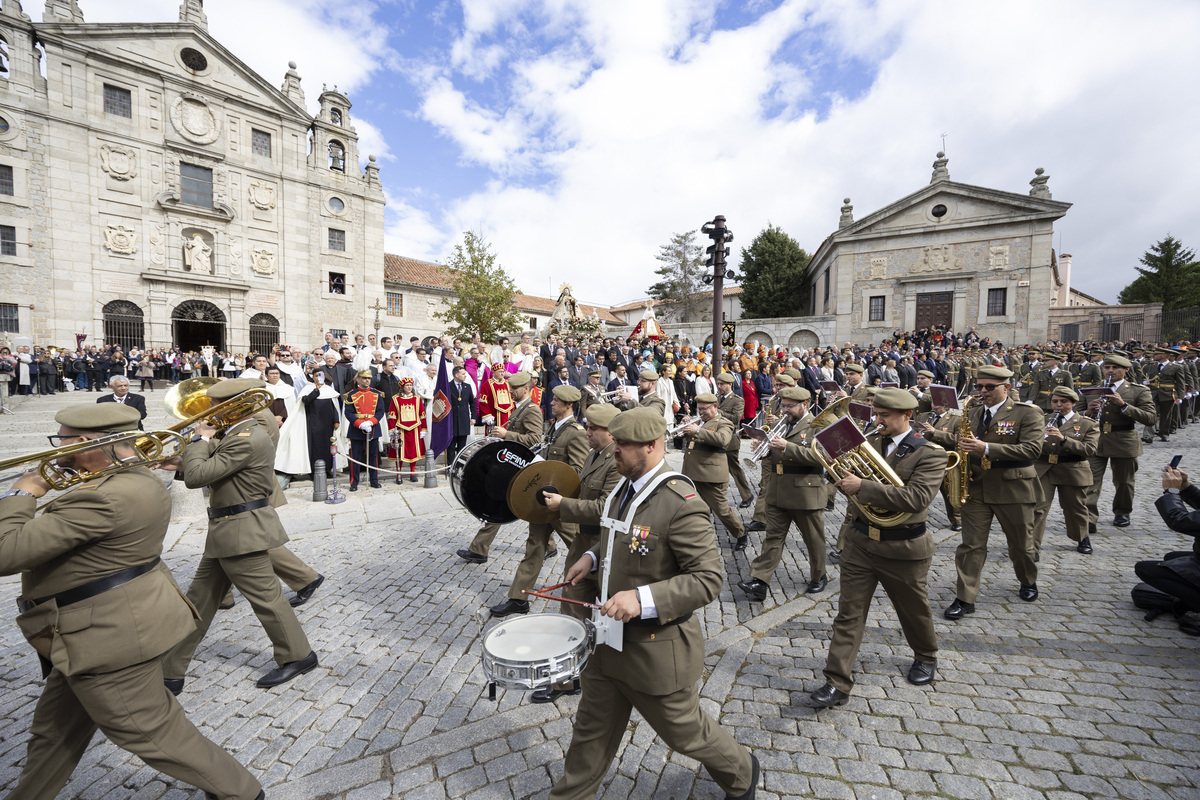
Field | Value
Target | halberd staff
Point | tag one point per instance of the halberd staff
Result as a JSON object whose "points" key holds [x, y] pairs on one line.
{"points": [[101, 608]]}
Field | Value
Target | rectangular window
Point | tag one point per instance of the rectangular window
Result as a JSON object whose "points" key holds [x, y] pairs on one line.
{"points": [[337, 240], [337, 283], [118, 101], [338, 333], [260, 142], [8, 240], [877, 308], [197, 185], [395, 304], [9, 321], [533, 323], [997, 302], [826, 309], [7, 187]]}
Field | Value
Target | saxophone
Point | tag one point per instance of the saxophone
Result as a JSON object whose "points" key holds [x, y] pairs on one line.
{"points": [[958, 468]]}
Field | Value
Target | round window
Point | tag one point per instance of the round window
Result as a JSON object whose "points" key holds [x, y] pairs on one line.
{"points": [[938, 211], [336, 204], [193, 59], [3, 125]]}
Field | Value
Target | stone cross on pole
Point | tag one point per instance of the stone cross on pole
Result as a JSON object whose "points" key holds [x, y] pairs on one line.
{"points": [[376, 308]]}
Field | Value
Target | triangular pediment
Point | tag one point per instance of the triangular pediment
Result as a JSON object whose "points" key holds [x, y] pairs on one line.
{"points": [[961, 205], [156, 47]]}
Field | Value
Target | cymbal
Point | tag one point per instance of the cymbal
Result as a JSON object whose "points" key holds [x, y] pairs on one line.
{"points": [[554, 476]]}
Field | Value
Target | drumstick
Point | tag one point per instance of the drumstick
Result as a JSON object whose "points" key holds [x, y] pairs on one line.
{"points": [[536, 593]]}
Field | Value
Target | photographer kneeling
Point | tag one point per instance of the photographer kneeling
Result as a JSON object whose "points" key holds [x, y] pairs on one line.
{"points": [[1178, 574]]}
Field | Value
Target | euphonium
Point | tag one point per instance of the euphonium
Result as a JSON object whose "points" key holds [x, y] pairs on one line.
{"points": [[865, 462], [192, 406], [958, 468]]}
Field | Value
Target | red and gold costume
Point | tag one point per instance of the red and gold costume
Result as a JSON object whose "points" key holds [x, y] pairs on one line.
{"points": [[407, 418], [495, 399]]}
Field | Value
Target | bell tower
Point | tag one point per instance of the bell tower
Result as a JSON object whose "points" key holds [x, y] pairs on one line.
{"points": [[335, 145]]}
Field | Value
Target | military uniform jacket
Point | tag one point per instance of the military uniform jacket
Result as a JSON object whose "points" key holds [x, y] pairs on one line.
{"points": [[731, 407], [100, 528], [1044, 383], [921, 467], [238, 468], [946, 424], [1090, 376], [798, 481], [1167, 383], [682, 568], [1118, 427], [861, 393], [1015, 436], [567, 443], [1066, 461], [596, 481], [651, 400], [704, 458], [526, 425], [363, 405]]}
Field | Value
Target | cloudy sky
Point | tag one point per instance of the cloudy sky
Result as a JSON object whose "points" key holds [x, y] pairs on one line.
{"points": [[576, 136]]}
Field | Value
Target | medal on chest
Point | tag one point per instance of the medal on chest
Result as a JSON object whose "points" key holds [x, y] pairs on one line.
{"points": [[637, 539]]}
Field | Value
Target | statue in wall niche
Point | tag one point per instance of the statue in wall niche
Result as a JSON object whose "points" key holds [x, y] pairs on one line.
{"points": [[197, 255]]}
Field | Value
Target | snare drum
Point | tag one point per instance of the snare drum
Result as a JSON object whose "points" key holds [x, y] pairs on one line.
{"points": [[536, 651]]}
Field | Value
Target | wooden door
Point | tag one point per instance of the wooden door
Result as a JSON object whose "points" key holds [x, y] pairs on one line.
{"points": [[935, 308]]}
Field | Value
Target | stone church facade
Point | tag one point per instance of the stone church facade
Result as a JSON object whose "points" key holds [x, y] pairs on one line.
{"points": [[154, 190], [948, 254]]}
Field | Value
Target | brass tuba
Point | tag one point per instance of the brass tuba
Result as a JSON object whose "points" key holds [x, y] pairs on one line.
{"points": [[865, 462], [958, 467], [192, 406]]}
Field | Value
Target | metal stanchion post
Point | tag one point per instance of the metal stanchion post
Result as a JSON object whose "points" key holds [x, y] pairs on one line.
{"points": [[320, 485]]}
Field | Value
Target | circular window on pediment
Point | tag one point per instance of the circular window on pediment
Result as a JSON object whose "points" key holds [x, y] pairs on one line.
{"points": [[938, 211], [337, 204], [3, 125], [193, 59]]}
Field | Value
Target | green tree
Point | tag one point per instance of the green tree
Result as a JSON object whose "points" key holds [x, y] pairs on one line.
{"points": [[682, 272], [1171, 276], [484, 291], [773, 269]]}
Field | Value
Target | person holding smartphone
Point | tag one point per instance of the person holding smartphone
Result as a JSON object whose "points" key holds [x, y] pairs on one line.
{"points": [[1178, 574]]}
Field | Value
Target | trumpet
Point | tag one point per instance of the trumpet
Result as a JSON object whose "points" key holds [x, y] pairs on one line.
{"points": [[608, 397], [762, 448], [148, 449]]}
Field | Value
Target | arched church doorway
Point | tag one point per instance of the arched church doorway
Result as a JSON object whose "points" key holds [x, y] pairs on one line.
{"points": [[196, 324]]}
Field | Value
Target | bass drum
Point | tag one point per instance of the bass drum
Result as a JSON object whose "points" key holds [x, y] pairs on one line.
{"points": [[480, 475]]}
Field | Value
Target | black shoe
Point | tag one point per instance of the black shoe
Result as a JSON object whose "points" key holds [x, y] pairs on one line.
{"points": [[1091, 527], [754, 773], [510, 607], [755, 588], [413, 478], [473, 558], [1163, 438], [288, 671], [550, 694], [1037, 556], [921, 674], [817, 586], [1121, 521], [834, 557], [756, 526], [958, 609], [747, 502], [828, 697], [1148, 439], [956, 526], [1084, 546], [226, 606], [376, 485], [549, 554], [739, 544], [829, 506], [305, 594], [174, 685], [1028, 593], [398, 480], [354, 487]]}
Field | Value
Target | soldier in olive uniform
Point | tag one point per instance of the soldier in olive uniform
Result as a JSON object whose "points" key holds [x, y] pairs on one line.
{"points": [[647, 382], [944, 421], [1091, 375], [896, 556], [705, 463], [797, 494], [758, 522], [731, 407], [657, 563], [1063, 468], [1025, 377], [525, 426], [238, 467], [592, 391], [1128, 406], [566, 441], [855, 387], [1007, 437], [101, 608], [1047, 379], [1167, 385]]}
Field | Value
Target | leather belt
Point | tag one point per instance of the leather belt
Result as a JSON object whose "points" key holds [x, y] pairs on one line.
{"points": [[590, 530], [229, 511], [1010, 464], [91, 588], [1128, 427], [712, 448], [657, 623], [889, 534], [1062, 459], [783, 469]]}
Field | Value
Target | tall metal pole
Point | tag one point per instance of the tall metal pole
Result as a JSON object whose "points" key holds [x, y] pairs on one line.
{"points": [[717, 251]]}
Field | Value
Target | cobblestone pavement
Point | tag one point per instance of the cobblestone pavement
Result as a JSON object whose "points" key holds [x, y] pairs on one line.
{"points": [[1072, 696]]}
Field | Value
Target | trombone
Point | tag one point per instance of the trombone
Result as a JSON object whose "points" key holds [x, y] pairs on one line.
{"points": [[148, 449]]}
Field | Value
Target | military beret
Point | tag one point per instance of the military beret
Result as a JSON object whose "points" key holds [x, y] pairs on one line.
{"points": [[233, 387], [518, 379], [924, 373], [797, 393], [648, 375], [566, 393], [639, 424], [601, 414], [1117, 361], [793, 373], [99, 417], [725, 377], [1063, 391], [706, 397], [785, 379], [894, 399], [872, 391], [1000, 373], [853, 368]]}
